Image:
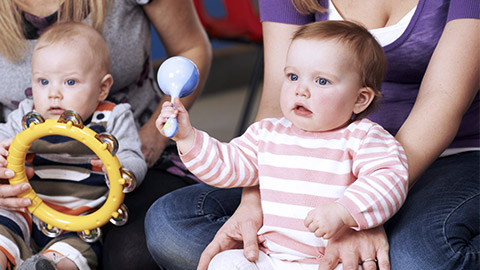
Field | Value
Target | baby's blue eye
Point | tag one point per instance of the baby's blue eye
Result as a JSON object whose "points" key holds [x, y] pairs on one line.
{"points": [[43, 82], [70, 82], [293, 77], [322, 81]]}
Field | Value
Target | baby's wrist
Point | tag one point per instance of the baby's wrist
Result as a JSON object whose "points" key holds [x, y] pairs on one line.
{"points": [[345, 216], [186, 143]]}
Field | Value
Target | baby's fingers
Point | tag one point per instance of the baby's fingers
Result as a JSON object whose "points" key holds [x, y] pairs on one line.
{"points": [[4, 146], [160, 122], [6, 143], [308, 220], [168, 111], [320, 233], [312, 227], [98, 163], [179, 105], [3, 157], [167, 104]]}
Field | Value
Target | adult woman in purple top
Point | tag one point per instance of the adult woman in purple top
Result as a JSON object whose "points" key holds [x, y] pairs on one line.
{"points": [[431, 105]]}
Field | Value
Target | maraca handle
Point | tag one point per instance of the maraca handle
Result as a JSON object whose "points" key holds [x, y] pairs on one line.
{"points": [[171, 127]]}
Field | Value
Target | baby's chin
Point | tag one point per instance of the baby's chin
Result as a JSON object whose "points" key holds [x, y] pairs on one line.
{"points": [[310, 125], [53, 114], [304, 124]]}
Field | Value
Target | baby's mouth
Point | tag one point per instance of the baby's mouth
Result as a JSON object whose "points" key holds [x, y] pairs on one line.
{"points": [[56, 110], [301, 110]]}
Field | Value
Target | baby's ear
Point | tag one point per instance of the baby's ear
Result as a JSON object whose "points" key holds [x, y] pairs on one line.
{"points": [[105, 85], [364, 98]]}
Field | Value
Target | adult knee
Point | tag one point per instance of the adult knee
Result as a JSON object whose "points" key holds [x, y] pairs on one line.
{"points": [[164, 239], [462, 233], [181, 224], [438, 226]]}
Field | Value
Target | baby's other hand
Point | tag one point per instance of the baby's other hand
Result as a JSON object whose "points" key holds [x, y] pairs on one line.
{"points": [[4, 146], [98, 163], [326, 220]]}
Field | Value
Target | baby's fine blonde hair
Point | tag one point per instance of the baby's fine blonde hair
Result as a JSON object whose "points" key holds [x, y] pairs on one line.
{"points": [[13, 44], [72, 32]]}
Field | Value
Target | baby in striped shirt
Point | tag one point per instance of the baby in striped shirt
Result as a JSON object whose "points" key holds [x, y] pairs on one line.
{"points": [[322, 167]]}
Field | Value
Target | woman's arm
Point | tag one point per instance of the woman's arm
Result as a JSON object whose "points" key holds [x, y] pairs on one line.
{"points": [[181, 33], [276, 40], [447, 90]]}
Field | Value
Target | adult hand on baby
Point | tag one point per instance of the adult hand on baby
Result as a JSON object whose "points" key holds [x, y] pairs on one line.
{"points": [[351, 247], [9, 193], [240, 231], [326, 220]]}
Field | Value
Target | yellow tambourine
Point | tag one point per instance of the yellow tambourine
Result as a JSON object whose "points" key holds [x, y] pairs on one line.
{"points": [[104, 146]]}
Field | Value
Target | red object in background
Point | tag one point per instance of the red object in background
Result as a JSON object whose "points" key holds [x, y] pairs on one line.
{"points": [[240, 22]]}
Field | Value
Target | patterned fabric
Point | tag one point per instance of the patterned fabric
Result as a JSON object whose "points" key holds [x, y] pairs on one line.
{"points": [[170, 161], [360, 166]]}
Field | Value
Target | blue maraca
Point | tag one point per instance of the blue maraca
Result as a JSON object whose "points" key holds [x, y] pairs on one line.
{"points": [[177, 77]]}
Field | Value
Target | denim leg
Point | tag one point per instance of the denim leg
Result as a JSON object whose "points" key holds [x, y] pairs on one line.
{"points": [[438, 226], [181, 224]]}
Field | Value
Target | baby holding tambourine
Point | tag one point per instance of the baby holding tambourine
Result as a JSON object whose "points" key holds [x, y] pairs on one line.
{"points": [[70, 71]]}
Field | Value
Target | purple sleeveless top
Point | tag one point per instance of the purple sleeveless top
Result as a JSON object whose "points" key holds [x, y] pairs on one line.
{"points": [[408, 57]]}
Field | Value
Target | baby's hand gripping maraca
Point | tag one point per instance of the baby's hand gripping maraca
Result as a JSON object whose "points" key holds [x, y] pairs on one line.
{"points": [[177, 77]]}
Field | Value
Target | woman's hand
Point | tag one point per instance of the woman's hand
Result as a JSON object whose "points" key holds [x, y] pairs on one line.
{"points": [[240, 231], [352, 247], [9, 193]]}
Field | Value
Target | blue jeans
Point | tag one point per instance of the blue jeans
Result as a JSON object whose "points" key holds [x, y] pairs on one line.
{"points": [[437, 228], [179, 225]]}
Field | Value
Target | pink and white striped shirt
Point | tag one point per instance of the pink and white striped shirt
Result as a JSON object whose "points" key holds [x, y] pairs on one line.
{"points": [[360, 166]]}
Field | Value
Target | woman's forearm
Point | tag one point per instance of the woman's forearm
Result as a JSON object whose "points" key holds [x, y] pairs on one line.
{"points": [[276, 39]]}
